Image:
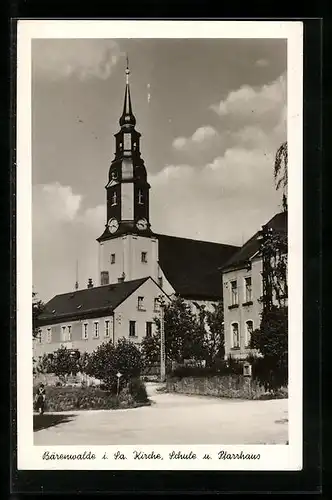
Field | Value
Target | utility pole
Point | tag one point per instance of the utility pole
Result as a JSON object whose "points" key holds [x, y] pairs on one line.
{"points": [[162, 345]]}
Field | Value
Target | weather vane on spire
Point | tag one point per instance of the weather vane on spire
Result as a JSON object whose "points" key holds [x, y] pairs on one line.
{"points": [[127, 70]]}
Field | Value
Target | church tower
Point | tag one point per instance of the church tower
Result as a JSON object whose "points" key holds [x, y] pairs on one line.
{"points": [[127, 207]]}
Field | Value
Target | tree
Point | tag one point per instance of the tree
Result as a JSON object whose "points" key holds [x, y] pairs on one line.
{"points": [[281, 171], [214, 335], [64, 362], [274, 251], [271, 341], [150, 349], [183, 335], [38, 307], [43, 365], [109, 359]]}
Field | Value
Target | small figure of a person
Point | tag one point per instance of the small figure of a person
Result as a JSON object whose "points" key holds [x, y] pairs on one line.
{"points": [[40, 399]]}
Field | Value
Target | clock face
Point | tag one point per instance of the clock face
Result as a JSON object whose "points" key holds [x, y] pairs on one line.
{"points": [[142, 224], [113, 225]]}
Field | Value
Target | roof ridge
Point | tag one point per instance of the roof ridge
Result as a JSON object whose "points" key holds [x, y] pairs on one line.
{"points": [[198, 241], [75, 292]]}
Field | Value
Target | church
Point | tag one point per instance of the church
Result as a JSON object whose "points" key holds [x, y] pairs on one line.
{"points": [[137, 266]]}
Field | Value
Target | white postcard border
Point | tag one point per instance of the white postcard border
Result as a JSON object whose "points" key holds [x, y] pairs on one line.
{"points": [[271, 457]]}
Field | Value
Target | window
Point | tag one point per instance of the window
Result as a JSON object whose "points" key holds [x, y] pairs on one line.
{"points": [[104, 278], [96, 330], [140, 197], [49, 335], [112, 258], [156, 306], [114, 198], [39, 337], [234, 298], [132, 328], [127, 141], [63, 333], [85, 331], [235, 335], [66, 333], [140, 303], [144, 257], [248, 289], [160, 281], [149, 328], [107, 327], [249, 330]]}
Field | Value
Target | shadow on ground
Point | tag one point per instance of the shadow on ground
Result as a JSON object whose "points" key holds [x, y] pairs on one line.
{"points": [[50, 420]]}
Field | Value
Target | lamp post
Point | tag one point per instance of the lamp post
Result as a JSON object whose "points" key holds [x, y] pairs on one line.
{"points": [[162, 344], [119, 375]]}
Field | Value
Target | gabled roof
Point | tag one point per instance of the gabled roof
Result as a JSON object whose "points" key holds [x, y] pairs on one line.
{"points": [[240, 259], [192, 266], [89, 302]]}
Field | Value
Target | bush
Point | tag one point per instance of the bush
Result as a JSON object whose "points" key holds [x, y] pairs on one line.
{"points": [[137, 390], [126, 400], [89, 398], [107, 360]]}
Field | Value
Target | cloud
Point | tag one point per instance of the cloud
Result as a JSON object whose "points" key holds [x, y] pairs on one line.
{"points": [[201, 136], [63, 232], [248, 105], [84, 58], [262, 63], [223, 198]]}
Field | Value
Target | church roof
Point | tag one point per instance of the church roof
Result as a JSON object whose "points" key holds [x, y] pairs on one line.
{"points": [[240, 259], [193, 267], [89, 302]]}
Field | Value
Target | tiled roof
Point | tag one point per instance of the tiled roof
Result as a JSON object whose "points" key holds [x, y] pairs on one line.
{"points": [[89, 301], [192, 266], [278, 223]]}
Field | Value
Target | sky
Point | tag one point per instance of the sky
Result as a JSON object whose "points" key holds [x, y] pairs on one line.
{"points": [[212, 114]]}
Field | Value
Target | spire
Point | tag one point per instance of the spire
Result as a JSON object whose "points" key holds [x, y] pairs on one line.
{"points": [[127, 117], [76, 283]]}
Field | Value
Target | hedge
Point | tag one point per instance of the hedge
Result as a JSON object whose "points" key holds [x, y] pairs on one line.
{"points": [[94, 398]]}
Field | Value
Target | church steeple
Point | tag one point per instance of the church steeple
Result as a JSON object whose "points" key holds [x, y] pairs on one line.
{"points": [[127, 118], [127, 188]]}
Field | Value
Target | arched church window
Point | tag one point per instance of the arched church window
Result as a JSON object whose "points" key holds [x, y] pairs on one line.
{"points": [[114, 198], [140, 197]]}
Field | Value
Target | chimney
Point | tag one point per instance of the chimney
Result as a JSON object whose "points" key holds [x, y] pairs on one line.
{"points": [[90, 283], [122, 278]]}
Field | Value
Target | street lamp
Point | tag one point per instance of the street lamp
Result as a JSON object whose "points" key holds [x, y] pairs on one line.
{"points": [[162, 341]]}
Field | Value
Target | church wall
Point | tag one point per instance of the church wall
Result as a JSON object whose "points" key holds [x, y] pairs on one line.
{"points": [[106, 248], [128, 257]]}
